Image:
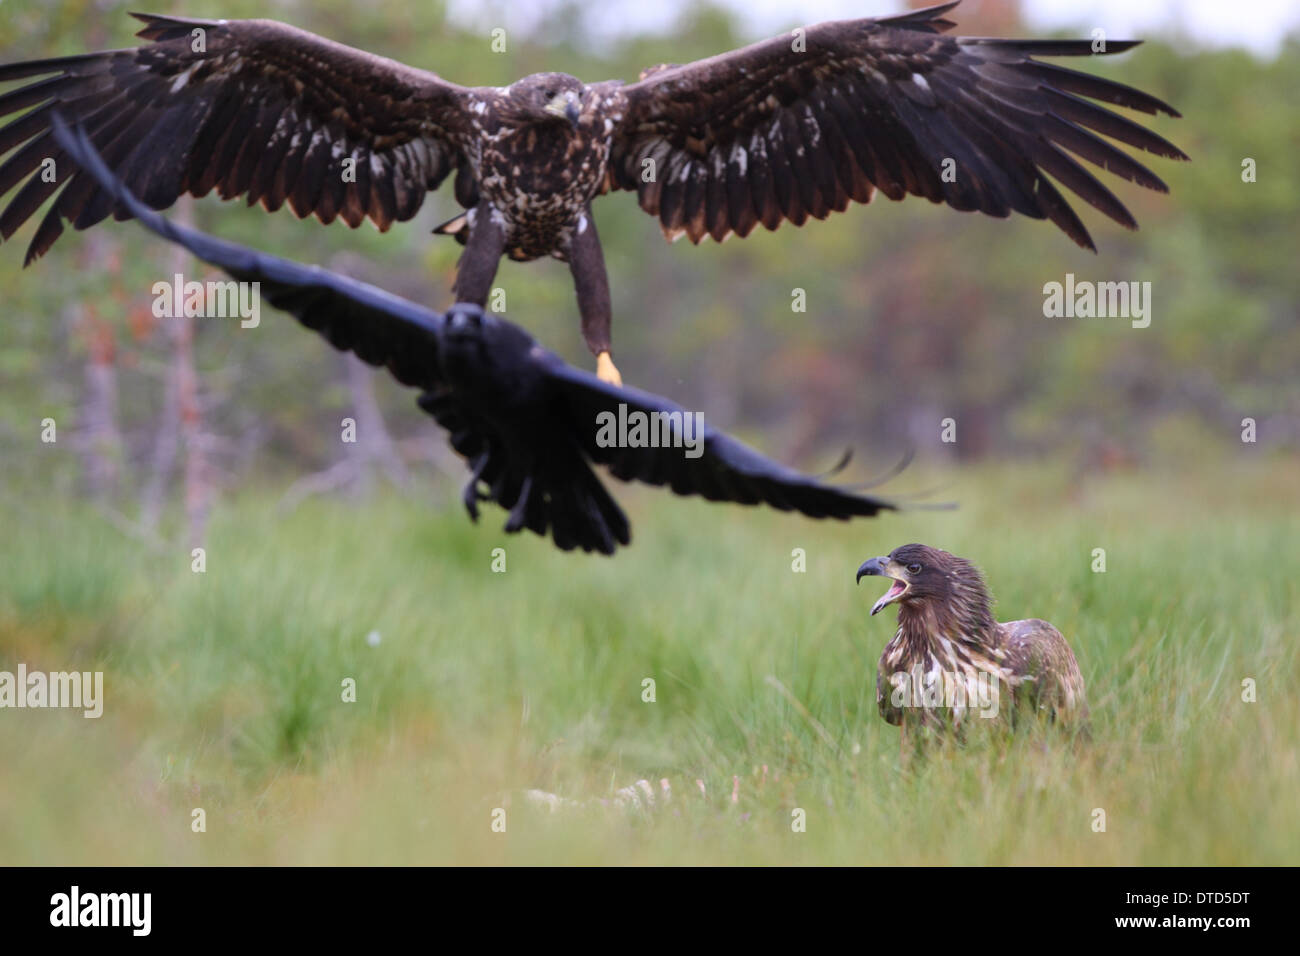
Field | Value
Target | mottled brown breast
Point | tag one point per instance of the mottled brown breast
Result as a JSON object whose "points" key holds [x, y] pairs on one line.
{"points": [[540, 178]]}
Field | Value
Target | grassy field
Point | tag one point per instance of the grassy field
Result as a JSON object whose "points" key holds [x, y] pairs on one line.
{"points": [[223, 689]]}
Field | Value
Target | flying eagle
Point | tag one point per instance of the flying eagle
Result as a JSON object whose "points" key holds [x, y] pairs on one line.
{"points": [[791, 128], [950, 658], [527, 423]]}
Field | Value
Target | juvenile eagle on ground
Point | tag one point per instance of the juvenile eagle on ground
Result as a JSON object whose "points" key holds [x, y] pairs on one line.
{"points": [[786, 129], [526, 422], [949, 648]]}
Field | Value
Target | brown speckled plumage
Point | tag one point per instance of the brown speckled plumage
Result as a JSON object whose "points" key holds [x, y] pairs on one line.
{"points": [[539, 176]]}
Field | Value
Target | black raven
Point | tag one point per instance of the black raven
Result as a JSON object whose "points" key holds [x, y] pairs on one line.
{"points": [[526, 421]]}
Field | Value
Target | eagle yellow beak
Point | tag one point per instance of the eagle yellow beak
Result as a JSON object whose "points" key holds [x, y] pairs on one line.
{"points": [[885, 568], [565, 106]]}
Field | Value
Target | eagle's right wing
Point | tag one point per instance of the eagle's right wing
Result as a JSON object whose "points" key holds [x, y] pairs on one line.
{"points": [[250, 107]]}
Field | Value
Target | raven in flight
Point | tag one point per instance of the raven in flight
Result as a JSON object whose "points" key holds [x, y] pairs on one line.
{"points": [[527, 423], [787, 129]]}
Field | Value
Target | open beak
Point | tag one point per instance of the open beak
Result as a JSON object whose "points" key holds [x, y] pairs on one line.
{"points": [[885, 568], [565, 106]]}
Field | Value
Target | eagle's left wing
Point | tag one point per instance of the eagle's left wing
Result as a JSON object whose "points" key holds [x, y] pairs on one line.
{"points": [[797, 126]]}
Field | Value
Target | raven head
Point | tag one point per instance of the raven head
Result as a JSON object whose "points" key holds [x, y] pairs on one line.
{"points": [[548, 98], [467, 334], [481, 353]]}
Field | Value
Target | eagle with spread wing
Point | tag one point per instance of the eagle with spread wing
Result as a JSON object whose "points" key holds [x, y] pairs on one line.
{"points": [[788, 129], [527, 423]]}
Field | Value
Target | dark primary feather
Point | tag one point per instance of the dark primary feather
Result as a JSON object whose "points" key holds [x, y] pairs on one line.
{"points": [[264, 110], [768, 133], [524, 419]]}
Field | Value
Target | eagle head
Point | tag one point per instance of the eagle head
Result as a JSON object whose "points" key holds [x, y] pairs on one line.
{"points": [[927, 576], [547, 98]]}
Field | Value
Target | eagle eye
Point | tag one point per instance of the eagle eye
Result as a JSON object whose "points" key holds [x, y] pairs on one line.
{"points": [[913, 569]]}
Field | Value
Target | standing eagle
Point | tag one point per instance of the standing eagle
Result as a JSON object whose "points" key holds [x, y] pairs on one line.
{"points": [[786, 129], [949, 646]]}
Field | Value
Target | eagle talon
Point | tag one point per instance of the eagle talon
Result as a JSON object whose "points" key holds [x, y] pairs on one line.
{"points": [[607, 371]]}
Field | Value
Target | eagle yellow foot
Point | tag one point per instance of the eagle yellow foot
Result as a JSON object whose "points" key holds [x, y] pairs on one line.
{"points": [[606, 370]]}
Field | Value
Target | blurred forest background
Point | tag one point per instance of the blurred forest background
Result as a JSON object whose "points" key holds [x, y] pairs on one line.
{"points": [[915, 313]]}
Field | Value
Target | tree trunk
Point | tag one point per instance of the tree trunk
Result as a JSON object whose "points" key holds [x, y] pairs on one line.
{"points": [[181, 426], [101, 442], [100, 438], [374, 445]]}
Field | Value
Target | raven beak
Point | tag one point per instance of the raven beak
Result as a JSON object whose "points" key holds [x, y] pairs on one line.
{"points": [[880, 567], [464, 316]]}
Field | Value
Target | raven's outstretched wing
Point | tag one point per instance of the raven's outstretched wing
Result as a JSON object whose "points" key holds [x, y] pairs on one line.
{"points": [[723, 470], [248, 107], [800, 125], [529, 451]]}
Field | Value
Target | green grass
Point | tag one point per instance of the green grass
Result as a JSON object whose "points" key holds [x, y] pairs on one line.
{"points": [[224, 688]]}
